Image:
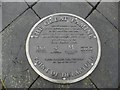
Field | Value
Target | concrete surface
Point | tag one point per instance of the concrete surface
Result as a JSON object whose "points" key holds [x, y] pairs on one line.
{"points": [[93, 3], [16, 68], [30, 3], [0, 15], [43, 9], [0, 85], [107, 70], [110, 11], [20, 18], [12, 11], [0, 43]]}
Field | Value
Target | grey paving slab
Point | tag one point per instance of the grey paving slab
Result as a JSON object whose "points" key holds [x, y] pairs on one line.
{"points": [[86, 83], [42, 83], [0, 85], [0, 56], [0, 16], [119, 48], [10, 10], [119, 60], [110, 11], [106, 74], [17, 72], [0, 40], [16, 69], [93, 3], [30, 2], [46, 8]]}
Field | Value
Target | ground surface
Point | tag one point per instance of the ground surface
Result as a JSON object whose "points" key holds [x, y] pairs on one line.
{"points": [[18, 19]]}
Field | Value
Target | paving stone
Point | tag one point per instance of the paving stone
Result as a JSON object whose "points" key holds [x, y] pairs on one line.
{"points": [[86, 83], [0, 16], [0, 85], [30, 2], [94, 2], [10, 10], [0, 57], [42, 83], [46, 8], [16, 69], [119, 46], [119, 60], [110, 11], [106, 74], [0, 40]]}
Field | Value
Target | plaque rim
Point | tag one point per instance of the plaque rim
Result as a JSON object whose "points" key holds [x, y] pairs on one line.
{"points": [[63, 81]]}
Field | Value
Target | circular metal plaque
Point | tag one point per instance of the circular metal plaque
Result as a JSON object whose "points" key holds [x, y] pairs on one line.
{"points": [[63, 48]]}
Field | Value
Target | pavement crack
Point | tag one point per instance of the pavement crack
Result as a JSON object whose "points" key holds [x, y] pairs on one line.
{"points": [[89, 3], [31, 7], [33, 82], [92, 9], [36, 13], [102, 15], [14, 19], [34, 3], [108, 20], [93, 84]]}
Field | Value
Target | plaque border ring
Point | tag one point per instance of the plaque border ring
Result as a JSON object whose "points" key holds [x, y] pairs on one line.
{"points": [[63, 81]]}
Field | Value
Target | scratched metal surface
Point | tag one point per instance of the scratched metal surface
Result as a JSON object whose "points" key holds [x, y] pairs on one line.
{"points": [[17, 72]]}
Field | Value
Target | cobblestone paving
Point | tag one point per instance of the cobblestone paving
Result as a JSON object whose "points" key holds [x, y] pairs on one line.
{"points": [[18, 19]]}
